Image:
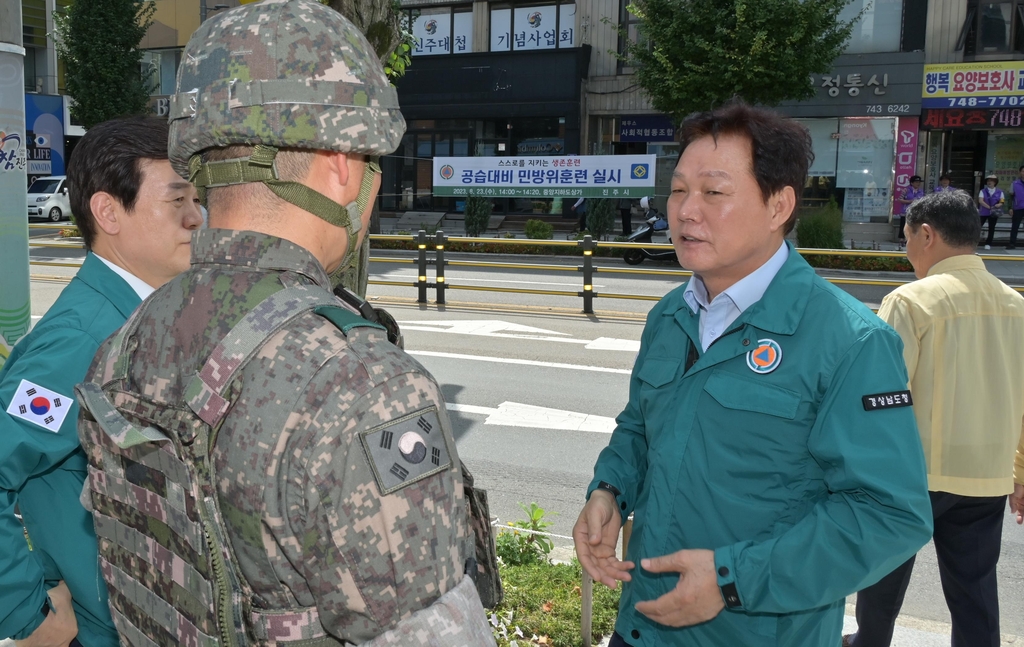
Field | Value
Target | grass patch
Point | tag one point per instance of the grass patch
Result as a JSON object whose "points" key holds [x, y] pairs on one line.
{"points": [[542, 606]]}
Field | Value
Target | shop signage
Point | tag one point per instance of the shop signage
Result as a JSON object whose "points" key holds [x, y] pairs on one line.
{"points": [[864, 85], [972, 119], [591, 176], [646, 128], [973, 85], [906, 158]]}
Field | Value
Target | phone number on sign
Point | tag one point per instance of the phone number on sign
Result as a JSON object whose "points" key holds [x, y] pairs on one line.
{"points": [[983, 102]]}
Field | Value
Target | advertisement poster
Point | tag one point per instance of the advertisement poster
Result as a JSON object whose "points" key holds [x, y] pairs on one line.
{"points": [[973, 85], [44, 119], [591, 176], [906, 158]]}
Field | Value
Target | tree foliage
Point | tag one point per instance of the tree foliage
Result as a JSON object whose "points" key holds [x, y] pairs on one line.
{"points": [[693, 55], [99, 43], [390, 34]]}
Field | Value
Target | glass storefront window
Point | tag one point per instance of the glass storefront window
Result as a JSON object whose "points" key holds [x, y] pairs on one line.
{"points": [[994, 21], [159, 67], [501, 27], [440, 30], [878, 29], [864, 166], [526, 26], [1003, 156], [824, 143]]}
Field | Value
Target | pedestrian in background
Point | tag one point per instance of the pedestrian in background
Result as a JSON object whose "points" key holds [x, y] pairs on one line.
{"points": [[961, 329], [136, 217], [1017, 191], [990, 206], [913, 192], [580, 207], [768, 450], [944, 184], [626, 213]]}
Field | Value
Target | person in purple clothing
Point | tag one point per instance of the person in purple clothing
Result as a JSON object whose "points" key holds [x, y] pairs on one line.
{"points": [[944, 184], [1017, 191], [910, 195], [990, 206]]}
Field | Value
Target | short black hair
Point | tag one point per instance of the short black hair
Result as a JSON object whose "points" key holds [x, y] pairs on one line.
{"points": [[952, 214], [1021, 168], [943, 177], [109, 159], [781, 147]]}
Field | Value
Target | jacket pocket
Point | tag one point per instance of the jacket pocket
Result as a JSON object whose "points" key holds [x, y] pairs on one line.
{"points": [[658, 372], [743, 394]]}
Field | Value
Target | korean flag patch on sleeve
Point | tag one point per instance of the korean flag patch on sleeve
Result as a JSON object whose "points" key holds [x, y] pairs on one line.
{"points": [[403, 451], [40, 406]]}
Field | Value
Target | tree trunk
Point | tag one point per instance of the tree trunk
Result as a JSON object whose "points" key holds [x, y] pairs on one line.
{"points": [[379, 20]]}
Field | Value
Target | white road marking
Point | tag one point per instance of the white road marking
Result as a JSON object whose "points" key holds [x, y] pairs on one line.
{"points": [[506, 330], [391, 277], [524, 362], [610, 343], [476, 327], [514, 414]]}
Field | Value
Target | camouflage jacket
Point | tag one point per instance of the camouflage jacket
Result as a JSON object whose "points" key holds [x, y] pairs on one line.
{"points": [[329, 499]]}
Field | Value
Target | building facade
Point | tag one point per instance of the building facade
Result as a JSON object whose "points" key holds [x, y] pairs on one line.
{"points": [[548, 77], [973, 92]]}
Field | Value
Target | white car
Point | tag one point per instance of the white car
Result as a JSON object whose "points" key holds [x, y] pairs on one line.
{"points": [[48, 198]]}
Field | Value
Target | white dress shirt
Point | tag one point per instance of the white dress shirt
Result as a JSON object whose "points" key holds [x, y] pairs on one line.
{"points": [[718, 315], [141, 288]]}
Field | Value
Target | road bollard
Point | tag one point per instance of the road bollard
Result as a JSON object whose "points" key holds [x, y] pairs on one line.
{"points": [[588, 274], [421, 283], [439, 242]]}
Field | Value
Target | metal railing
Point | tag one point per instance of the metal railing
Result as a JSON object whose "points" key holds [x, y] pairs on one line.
{"points": [[431, 251]]}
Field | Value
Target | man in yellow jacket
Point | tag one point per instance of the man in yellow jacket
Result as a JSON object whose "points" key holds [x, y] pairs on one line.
{"points": [[961, 329]]}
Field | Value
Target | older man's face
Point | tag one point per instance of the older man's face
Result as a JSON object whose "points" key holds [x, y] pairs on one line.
{"points": [[721, 227]]}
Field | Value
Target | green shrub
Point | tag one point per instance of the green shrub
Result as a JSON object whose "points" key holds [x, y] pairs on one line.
{"points": [[478, 214], [544, 601], [539, 229], [516, 548], [601, 214], [821, 228]]}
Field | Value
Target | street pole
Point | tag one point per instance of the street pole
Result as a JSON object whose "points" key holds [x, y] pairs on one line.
{"points": [[14, 280]]}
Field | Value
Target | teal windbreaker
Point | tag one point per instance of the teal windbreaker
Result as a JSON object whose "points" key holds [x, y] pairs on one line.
{"points": [[767, 451], [42, 470]]}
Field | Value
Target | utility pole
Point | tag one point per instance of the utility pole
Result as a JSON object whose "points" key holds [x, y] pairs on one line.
{"points": [[14, 280]]}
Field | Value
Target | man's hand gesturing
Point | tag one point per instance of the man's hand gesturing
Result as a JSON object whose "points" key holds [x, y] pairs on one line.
{"points": [[595, 534]]}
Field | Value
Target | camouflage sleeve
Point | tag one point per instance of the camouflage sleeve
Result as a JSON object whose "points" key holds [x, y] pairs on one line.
{"points": [[381, 516]]}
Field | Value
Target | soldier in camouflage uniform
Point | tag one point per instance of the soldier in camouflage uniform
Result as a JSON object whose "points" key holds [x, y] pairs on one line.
{"points": [[264, 466]]}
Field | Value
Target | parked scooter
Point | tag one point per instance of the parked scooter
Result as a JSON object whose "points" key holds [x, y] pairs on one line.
{"points": [[654, 221]]}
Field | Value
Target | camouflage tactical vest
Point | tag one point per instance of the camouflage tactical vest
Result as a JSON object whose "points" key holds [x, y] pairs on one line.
{"points": [[163, 543]]}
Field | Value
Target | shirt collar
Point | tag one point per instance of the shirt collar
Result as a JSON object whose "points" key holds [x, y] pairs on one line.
{"points": [[140, 287], [958, 262], [743, 293], [256, 250]]}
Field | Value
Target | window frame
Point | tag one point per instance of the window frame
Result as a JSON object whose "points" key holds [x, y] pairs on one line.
{"points": [[512, 5], [967, 41], [411, 14]]}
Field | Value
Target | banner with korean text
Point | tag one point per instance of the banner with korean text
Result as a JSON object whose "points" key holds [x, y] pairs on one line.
{"points": [[973, 85], [591, 176]]}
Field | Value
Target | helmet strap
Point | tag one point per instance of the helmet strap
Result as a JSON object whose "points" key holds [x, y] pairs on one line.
{"points": [[260, 167]]}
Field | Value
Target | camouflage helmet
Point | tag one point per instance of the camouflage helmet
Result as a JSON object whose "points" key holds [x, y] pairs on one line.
{"points": [[282, 74]]}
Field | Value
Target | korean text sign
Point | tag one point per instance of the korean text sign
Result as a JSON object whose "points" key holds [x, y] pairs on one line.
{"points": [[591, 176], [973, 85]]}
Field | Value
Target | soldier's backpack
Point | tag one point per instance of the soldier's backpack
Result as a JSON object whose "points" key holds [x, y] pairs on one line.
{"points": [[163, 548]]}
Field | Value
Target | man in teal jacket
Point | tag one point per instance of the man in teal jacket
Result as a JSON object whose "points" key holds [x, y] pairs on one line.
{"points": [[768, 450], [136, 217]]}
